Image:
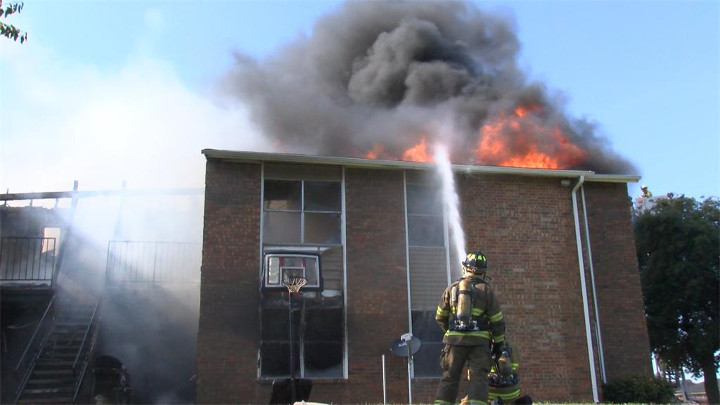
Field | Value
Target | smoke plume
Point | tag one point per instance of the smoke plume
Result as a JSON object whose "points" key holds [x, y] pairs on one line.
{"points": [[374, 78]]}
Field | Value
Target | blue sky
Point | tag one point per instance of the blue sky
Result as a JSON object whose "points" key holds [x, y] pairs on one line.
{"points": [[106, 91]]}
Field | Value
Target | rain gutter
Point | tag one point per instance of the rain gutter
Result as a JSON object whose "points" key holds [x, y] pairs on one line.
{"points": [[586, 311], [260, 157]]}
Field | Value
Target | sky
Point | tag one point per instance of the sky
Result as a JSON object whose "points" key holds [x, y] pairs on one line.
{"points": [[111, 91]]}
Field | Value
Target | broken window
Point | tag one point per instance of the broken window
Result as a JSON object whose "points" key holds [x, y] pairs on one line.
{"points": [[302, 213]]}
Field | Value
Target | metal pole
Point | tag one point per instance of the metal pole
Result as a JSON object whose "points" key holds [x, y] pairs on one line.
{"points": [[583, 288], [292, 350], [409, 374], [598, 332], [384, 385]]}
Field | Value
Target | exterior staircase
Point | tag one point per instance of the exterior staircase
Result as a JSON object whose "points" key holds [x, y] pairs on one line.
{"points": [[58, 369]]}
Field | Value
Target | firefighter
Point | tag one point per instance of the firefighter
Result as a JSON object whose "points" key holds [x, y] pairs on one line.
{"points": [[470, 316], [503, 380], [645, 192]]}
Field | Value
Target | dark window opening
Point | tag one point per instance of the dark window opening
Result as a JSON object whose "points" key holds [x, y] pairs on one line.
{"points": [[282, 195], [427, 360], [322, 196]]}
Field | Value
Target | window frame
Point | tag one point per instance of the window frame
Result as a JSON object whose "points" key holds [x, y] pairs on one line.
{"points": [[425, 180], [303, 211], [313, 300]]}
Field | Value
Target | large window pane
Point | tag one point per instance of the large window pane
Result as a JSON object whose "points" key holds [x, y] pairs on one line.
{"points": [[275, 324], [322, 228], [425, 230], [322, 196], [282, 195], [275, 359], [423, 200], [427, 360], [323, 360], [323, 324], [281, 227]]}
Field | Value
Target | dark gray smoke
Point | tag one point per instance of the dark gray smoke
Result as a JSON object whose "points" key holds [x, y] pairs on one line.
{"points": [[389, 73]]}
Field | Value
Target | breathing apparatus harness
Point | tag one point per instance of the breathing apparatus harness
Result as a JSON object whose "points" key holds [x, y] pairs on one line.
{"points": [[463, 296], [501, 373]]}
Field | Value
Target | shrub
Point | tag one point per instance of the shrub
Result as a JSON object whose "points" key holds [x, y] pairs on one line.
{"points": [[639, 389]]}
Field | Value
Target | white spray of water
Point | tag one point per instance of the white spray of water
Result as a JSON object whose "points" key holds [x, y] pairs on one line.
{"points": [[451, 206]]}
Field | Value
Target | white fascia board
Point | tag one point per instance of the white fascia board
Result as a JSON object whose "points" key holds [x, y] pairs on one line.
{"points": [[259, 157]]}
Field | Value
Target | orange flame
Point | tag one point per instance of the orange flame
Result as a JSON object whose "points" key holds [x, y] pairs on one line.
{"points": [[519, 138], [375, 152], [417, 153], [532, 142]]}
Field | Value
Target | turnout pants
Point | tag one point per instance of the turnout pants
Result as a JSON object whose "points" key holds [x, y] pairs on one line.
{"points": [[452, 361]]}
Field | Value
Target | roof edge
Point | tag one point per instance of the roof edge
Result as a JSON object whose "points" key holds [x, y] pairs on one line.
{"points": [[259, 157]]}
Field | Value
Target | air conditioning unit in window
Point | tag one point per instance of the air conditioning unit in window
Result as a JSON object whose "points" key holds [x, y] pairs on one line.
{"points": [[281, 267]]}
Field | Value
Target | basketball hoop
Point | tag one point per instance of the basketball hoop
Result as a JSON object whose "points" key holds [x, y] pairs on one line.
{"points": [[294, 284]]}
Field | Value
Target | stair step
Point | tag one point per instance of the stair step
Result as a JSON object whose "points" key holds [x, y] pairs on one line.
{"points": [[61, 381], [51, 400], [62, 348], [59, 356], [52, 364], [54, 390], [48, 373]]}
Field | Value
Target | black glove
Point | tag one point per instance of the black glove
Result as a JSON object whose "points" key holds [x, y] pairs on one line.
{"points": [[497, 350]]}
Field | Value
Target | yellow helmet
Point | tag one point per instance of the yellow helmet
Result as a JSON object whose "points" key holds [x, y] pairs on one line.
{"points": [[475, 262]]}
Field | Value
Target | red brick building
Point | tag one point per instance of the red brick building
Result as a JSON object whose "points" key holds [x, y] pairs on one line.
{"points": [[381, 237]]}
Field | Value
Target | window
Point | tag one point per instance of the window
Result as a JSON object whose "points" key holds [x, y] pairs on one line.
{"points": [[428, 269], [424, 216], [301, 212], [50, 233], [302, 219]]}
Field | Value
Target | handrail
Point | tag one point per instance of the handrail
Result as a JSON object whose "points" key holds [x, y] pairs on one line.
{"points": [[37, 329], [31, 343], [87, 331], [85, 353]]}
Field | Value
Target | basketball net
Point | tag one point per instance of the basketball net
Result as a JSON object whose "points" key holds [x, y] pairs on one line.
{"points": [[294, 284]]}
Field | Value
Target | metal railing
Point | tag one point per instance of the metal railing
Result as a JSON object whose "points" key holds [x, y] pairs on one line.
{"points": [[86, 351], [29, 357], [153, 262], [27, 259]]}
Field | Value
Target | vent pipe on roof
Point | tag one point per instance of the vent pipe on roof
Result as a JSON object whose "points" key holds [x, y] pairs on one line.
{"points": [[586, 310]]}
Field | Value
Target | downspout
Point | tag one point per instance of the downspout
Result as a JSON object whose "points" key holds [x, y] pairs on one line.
{"points": [[598, 334], [411, 369], [586, 311]]}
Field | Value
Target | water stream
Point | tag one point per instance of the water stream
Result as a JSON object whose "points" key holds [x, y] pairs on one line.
{"points": [[451, 206]]}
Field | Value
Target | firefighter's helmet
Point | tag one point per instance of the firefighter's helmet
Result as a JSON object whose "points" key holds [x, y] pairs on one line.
{"points": [[475, 262]]}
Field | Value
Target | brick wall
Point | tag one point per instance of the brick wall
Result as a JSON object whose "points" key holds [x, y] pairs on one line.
{"points": [[524, 225], [228, 325], [377, 283], [617, 279]]}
